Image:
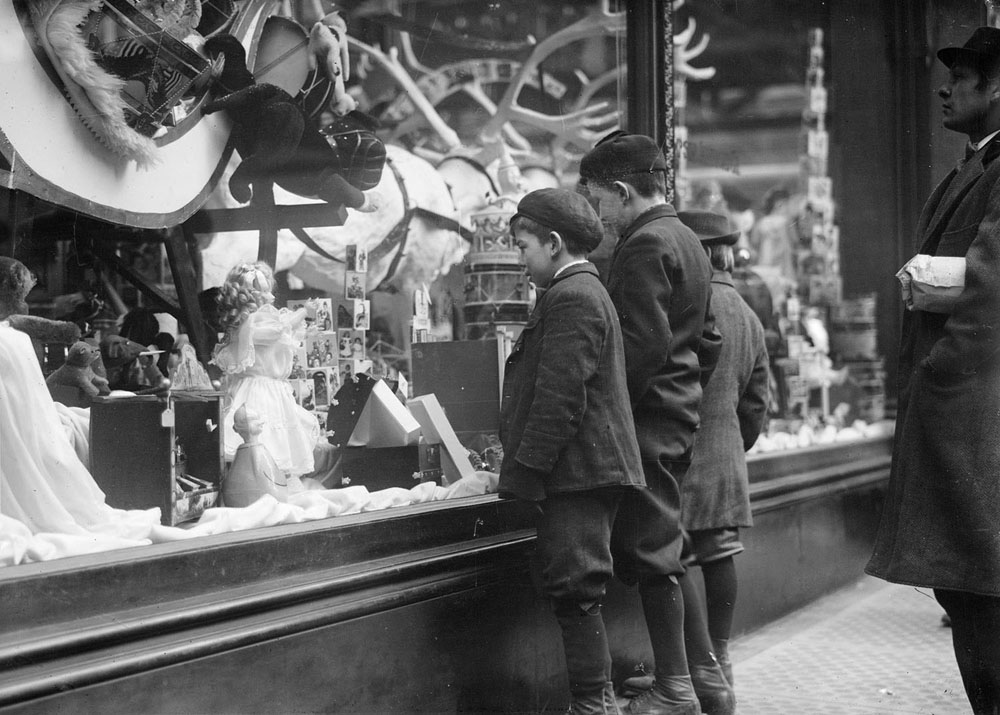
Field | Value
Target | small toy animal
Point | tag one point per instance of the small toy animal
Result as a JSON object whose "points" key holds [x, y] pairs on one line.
{"points": [[78, 370]]}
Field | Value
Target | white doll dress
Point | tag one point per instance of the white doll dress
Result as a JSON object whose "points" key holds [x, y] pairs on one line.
{"points": [[256, 365]]}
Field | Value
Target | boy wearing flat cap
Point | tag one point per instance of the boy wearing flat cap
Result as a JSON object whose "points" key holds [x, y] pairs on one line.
{"points": [[566, 428], [939, 522], [659, 282], [715, 494]]}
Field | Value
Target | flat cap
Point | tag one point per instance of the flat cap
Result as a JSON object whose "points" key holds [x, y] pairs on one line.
{"points": [[712, 229], [620, 154], [564, 211]]}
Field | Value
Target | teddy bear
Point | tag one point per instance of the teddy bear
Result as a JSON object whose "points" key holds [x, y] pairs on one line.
{"points": [[16, 281], [78, 371]]}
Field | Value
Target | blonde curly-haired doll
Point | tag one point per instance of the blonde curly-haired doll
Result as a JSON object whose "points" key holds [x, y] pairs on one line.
{"points": [[255, 356]]}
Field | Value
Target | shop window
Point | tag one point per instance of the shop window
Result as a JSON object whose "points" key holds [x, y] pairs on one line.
{"points": [[753, 142], [475, 107]]}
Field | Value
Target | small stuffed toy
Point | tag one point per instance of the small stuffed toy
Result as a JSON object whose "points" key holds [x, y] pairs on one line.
{"points": [[328, 48], [78, 370], [16, 282]]}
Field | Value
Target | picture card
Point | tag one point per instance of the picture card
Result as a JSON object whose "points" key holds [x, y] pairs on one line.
{"points": [[356, 258], [320, 350], [362, 314], [354, 285]]}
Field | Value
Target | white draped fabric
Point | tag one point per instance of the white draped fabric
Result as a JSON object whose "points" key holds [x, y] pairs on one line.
{"points": [[51, 507], [44, 487]]}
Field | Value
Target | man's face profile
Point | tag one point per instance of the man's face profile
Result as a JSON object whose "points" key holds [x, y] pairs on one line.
{"points": [[967, 101]]}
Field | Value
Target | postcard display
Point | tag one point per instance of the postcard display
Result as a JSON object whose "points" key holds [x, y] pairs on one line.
{"points": [[851, 340], [384, 439], [335, 348]]}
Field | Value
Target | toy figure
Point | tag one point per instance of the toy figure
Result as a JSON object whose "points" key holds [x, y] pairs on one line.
{"points": [[275, 138], [253, 472], [189, 373], [78, 372], [255, 356]]}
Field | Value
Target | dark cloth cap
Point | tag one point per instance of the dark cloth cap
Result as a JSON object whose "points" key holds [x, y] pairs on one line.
{"points": [[982, 50], [712, 229], [564, 211], [620, 154]]}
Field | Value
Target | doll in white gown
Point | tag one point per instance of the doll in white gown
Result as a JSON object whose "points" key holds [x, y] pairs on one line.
{"points": [[255, 356]]}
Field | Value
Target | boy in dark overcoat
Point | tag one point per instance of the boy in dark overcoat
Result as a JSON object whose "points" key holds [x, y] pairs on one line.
{"points": [[659, 281], [566, 428]]}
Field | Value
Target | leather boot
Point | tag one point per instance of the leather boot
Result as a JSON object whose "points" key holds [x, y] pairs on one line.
{"points": [[637, 684], [602, 702], [714, 692], [720, 647], [663, 699]]}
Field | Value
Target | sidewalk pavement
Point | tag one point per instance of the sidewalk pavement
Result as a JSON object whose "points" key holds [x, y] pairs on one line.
{"points": [[870, 649]]}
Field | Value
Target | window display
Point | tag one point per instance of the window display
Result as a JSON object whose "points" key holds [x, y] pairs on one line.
{"points": [[755, 146], [385, 152]]}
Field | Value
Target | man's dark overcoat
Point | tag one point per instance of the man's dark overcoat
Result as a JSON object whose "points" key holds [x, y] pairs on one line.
{"points": [[940, 525], [565, 420]]}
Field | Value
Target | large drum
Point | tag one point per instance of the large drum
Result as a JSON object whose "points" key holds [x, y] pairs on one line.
{"points": [[497, 292]]}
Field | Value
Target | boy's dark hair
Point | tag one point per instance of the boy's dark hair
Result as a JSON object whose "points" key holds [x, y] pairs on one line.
{"points": [[530, 225], [647, 184]]}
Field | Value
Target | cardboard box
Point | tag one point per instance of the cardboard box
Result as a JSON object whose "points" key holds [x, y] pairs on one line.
{"points": [[384, 467], [139, 449]]}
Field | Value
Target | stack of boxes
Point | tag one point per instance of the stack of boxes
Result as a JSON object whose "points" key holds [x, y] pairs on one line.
{"points": [[854, 341], [819, 249]]}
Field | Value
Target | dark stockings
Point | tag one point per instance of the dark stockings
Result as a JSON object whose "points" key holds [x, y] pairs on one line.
{"points": [[663, 607], [696, 641], [720, 596]]}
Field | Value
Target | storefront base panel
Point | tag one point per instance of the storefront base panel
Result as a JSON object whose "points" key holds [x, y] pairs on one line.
{"points": [[441, 618]]}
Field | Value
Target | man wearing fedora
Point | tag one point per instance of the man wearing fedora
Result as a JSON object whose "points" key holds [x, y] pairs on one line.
{"points": [[659, 282], [939, 526]]}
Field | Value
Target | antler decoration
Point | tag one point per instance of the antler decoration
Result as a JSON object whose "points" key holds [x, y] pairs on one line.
{"points": [[684, 52], [576, 126], [395, 68]]}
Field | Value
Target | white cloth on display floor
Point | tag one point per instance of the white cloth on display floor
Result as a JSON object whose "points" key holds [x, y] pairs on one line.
{"points": [[51, 507], [50, 504]]}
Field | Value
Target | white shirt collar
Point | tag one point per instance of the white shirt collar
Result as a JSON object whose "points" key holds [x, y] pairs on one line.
{"points": [[986, 140], [571, 263]]}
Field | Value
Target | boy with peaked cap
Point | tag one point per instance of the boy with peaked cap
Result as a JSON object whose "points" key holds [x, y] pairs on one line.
{"points": [[659, 283], [566, 428], [939, 522], [715, 494]]}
